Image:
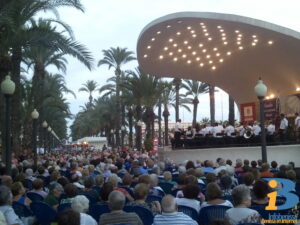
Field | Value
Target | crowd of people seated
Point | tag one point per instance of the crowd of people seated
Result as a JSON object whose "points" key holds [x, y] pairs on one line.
{"points": [[206, 135], [129, 187]]}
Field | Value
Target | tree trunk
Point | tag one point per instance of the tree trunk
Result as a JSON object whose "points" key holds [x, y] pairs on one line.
{"points": [[148, 122], [177, 82], [16, 99], [130, 124], [118, 119], [195, 103], [166, 120], [159, 124], [231, 114], [212, 103], [138, 130]]}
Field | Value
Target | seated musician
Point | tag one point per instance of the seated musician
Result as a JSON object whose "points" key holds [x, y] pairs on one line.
{"points": [[229, 130], [208, 130], [271, 131], [189, 134], [218, 130], [256, 128]]}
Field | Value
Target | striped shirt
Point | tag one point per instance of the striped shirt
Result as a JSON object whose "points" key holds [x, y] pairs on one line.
{"points": [[177, 218], [120, 217]]}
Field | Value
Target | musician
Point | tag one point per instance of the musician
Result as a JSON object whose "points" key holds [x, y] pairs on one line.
{"points": [[297, 126], [283, 127], [178, 130], [190, 133], [229, 130], [270, 131], [217, 130], [256, 129]]}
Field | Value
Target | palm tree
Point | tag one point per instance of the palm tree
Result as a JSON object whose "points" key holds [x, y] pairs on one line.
{"points": [[231, 110], [194, 89], [115, 58], [212, 103], [90, 86], [177, 83], [22, 32], [167, 99]]}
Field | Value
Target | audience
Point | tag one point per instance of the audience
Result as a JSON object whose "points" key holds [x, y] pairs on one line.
{"points": [[81, 204], [69, 217]]}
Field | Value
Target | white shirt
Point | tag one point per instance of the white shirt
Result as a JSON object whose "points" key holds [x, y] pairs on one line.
{"points": [[86, 219], [229, 130], [241, 130], [193, 203], [283, 124], [242, 215], [217, 129], [256, 129], [297, 122], [209, 129], [177, 127], [226, 203], [271, 129]]}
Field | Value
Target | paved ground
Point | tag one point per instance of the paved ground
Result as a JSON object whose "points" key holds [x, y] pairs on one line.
{"points": [[281, 154]]}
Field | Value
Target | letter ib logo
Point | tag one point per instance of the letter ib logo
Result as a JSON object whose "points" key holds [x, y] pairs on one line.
{"points": [[287, 186]]}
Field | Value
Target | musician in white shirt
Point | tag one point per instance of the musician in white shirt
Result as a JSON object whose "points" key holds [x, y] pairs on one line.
{"points": [[256, 129], [283, 127], [229, 130], [217, 130], [271, 128]]}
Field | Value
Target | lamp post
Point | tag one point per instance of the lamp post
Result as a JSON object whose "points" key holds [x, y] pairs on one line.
{"points": [[45, 125], [123, 129], [138, 134], [21, 140], [34, 115], [49, 131], [261, 92], [7, 88]]}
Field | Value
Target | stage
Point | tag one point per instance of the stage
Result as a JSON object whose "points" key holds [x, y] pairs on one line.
{"points": [[280, 153]]}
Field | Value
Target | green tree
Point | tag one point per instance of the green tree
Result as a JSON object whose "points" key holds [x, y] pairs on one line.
{"points": [[90, 86]]}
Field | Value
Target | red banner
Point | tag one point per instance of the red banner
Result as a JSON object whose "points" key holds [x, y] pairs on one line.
{"points": [[248, 112]]}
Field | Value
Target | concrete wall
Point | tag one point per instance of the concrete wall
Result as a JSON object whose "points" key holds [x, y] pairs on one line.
{"points": [[282, 154]]}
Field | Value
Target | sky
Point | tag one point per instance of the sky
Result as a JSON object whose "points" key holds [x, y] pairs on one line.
{"points": [[114, 23]]}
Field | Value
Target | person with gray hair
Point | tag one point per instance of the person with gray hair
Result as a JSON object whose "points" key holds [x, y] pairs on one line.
{"points": [[6, 209], [55, 190], [116, 203], [81, 204], [170, 214], [241, 213]]}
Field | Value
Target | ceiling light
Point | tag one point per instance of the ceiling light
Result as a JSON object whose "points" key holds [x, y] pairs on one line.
{"points": [[218, 54], [267, 97], [209, 38], [237, 31], [254, 36], [189, 47], [272, 96], [161, 57], [270, 42], [240, 35], [201, 23], [194, 35], [170, 53], [255, 40], [215, 49], [225, 42], [153, 39], [189, 28], [253, 43], [170, 40], [178, 33], [228, 53], [201, 64], [298, 89], [179, 50], [221, 60], [210, 62], [189, 61], [238, 42], [208, 56], [194, 53], [219, 27], [158, 32], [204, 30], [166, 48], [206, 34], [221, 30], [184, 56], [204, 50], [175, 59], [145, 56], [223, 34], [213, 68], [223, 38], [148, 46], [192, 31], [175, 45], [241, 48], [203, 26], [198, 58], [185, 42], [200, 45], [238, 39], [168, 26]]}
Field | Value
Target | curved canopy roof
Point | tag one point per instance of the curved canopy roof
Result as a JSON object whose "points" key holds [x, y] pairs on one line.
{"points": [[224, 50]]}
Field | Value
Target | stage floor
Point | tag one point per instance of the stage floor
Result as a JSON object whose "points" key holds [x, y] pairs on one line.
{"points": [[280, 153]]}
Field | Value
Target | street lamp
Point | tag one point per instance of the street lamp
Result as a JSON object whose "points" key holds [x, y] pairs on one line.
{"points": [[49, 131], [34, 115], [123, 129], [45, 125], [261, 92], [21, 140], [7, 88]]}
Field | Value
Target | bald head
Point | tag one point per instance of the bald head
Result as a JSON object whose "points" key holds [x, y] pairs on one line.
{"points": [[168, 204]]}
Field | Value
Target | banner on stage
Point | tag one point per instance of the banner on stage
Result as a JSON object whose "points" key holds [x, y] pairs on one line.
{"points": [[248, 112], [271, 108], [289, 105]]}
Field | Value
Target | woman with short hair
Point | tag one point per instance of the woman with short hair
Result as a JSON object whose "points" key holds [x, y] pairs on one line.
{"points": [[81, 204], [241, 213], [18, 192], [213, 196], [190, 192]]}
